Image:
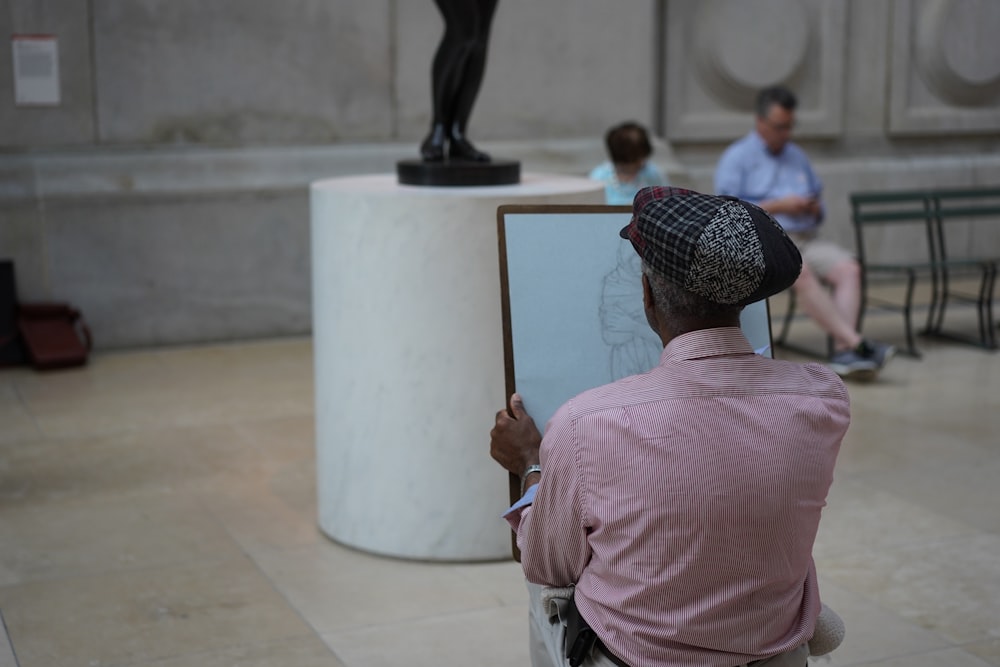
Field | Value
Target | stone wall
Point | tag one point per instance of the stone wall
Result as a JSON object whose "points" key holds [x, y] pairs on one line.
{"points": [[166, 195], [303, 72]]}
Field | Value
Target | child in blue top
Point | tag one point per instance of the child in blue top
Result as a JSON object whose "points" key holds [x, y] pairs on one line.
{"points": [[629, 168]]}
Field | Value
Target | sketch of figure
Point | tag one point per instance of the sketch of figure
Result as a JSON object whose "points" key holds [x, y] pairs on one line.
{"points": [[634, 346]]}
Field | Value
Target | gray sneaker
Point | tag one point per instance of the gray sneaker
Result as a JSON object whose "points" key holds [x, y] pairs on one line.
{"points": [[850, 365], [880, 353]]}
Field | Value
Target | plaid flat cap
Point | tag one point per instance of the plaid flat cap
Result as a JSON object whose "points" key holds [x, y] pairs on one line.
{"points": [[724, 249]]}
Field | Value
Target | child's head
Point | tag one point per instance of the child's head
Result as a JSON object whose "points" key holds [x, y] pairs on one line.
{"points": [[628, 147]]}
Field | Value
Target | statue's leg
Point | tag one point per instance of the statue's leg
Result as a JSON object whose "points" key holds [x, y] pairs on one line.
{"points": [[478, 20], [446, 76]]}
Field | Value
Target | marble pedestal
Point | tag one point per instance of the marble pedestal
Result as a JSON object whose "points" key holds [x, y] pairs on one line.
{"points": [[409, 361]]}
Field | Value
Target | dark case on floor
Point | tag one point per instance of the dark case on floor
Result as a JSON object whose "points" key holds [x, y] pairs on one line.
{"points": [[54, 335]]}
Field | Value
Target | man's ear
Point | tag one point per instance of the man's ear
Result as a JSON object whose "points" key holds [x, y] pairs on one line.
{"points": [[649, 307], [647, 294]]}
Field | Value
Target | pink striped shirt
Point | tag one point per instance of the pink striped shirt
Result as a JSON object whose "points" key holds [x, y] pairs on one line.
{"points": [[684, 503]]}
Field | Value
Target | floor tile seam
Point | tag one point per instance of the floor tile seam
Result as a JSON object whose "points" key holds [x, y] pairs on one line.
{"points": [[61, 435], [27, 410], [8, 654], [48, 432], [934, 465], [246, 426], [81, 443], [25, 503], [354, 551], [497, 601], [115, 399], [873, 485], [951, 429], [954, 513], [834, 553], [270, 550], [497, 597], [264, 553], [283, 595], [914, 654], [942, 637], [886, 602], [65, 437], [966, 532], [225, 344], [188, 564], [307, 631], [941, 642], [355, 628], [89, 506], [988, 639], [257, 553], [34, 439], [864, 551], [208, 652], [157, 429]]}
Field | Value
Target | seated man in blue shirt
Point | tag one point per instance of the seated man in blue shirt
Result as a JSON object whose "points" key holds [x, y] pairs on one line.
{"points": [[765, 167]]}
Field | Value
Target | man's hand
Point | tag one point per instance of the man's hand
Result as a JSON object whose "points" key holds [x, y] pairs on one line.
{"points": [[793, 205], [813, 206], [514, 440]]}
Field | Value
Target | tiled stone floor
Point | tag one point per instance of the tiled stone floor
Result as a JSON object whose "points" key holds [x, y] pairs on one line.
{"points": [[157, 509]]}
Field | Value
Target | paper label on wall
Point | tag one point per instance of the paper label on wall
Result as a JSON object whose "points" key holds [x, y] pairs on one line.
{"points": [[36, 70]]}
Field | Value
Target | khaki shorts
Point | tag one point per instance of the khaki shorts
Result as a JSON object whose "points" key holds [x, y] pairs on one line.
{"points": [[547, 636], [819, 255]]}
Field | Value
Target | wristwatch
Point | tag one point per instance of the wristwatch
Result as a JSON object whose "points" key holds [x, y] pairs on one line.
{"points": [[534, 467]]}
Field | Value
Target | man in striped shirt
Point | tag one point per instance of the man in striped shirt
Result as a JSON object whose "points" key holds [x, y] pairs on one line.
{"points": [[683, 503]]}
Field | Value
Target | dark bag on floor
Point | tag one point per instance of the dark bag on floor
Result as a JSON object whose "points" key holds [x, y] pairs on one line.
{"points": [[54, 335]]}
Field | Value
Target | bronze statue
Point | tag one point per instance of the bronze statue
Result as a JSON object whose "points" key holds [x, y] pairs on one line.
{"points": [[457, 73]]}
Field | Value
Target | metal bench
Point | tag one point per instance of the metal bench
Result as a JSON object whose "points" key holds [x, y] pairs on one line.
{"points": [[926, 256], [963, 204]]}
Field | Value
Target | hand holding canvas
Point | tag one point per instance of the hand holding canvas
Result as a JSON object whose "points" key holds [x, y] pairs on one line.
{"points": [[515, 440]]}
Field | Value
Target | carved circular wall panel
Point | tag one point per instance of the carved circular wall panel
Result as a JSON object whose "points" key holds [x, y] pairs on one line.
{"points": [[742, 46], [958, 51]]}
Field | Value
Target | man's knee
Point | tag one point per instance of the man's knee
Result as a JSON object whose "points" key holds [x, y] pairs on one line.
{"points": [[845, 271], [807, 279]]}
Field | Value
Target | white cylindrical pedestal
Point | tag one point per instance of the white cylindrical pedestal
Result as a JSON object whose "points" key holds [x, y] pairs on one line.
{"points": [[408, 349]]}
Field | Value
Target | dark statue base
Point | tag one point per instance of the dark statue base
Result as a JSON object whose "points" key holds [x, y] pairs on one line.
{"points": [[458, 172]]}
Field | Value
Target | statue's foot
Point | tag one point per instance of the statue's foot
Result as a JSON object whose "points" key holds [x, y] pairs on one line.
{"points": [[462, 149], [432, 152], [432, 149]]}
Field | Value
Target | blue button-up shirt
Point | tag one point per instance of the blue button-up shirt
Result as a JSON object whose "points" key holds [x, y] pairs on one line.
{"points": [[748, 170]]}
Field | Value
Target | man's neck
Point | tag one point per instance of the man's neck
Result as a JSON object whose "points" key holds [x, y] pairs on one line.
{"points": [[680, 325]]}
